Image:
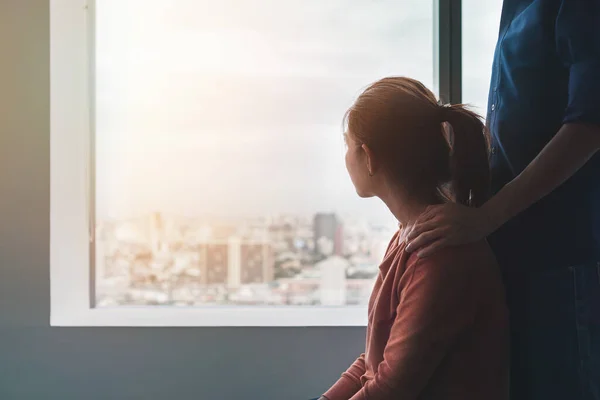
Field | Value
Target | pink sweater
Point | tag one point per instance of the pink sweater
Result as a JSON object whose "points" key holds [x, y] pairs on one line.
{"points": [[437, 329]]}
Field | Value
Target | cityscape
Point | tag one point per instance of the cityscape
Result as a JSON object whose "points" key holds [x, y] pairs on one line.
{"points": [[163, 260]]}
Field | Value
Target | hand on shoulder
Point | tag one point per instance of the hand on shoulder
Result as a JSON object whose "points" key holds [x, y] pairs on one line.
{"points": [[445, 225]]}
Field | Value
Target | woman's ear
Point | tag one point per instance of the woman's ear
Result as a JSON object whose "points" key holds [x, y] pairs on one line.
{"points": [[372, 164]]}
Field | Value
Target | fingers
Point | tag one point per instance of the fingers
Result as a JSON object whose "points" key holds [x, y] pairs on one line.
{"points": [[424, 239], [422, 223], [425, 217], [421, 228], [433, 247], [429, 213]]}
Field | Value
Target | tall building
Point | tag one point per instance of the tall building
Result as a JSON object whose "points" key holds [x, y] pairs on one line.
{"points": [[256, 263], [328, 234], [333, 281], [157, 232], [216, 265], [234, 262]]}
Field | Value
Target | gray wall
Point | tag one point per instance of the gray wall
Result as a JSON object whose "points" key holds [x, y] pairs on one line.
{"points": [[40, 362]]}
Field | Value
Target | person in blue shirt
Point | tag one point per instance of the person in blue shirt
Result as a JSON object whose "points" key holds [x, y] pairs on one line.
{"points": [[543, 221]]}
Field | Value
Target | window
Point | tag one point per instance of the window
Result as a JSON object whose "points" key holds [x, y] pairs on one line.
{"points": [[480, 25], [197, 158]]}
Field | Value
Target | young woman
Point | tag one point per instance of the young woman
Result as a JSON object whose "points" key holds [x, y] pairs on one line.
{"points": [[437, 326]]}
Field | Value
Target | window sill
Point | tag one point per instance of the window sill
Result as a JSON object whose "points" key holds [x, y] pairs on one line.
{"points": [[243, 316]]}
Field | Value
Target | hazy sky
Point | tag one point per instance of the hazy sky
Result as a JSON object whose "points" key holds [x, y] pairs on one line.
{"points": [[235, 106]]}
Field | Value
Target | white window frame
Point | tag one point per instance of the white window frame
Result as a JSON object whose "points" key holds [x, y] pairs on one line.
{"points": [[71, 205]]}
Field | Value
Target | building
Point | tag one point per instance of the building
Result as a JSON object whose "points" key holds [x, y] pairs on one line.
{"points": [[214, 263], [256, 263], [328, 235], [333, 281], [235, 262]]}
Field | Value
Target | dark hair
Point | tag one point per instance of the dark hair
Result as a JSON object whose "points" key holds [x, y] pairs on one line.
{"points": [[403, 124]]}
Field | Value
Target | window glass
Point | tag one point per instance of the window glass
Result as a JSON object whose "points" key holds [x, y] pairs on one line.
{"points": [[480, 24], [220, 174]]}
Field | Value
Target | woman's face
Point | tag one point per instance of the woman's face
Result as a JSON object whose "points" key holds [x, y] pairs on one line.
{"points": [[357, 164]]}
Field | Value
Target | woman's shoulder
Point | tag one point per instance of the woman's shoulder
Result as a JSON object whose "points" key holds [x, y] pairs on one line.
{"points": [[469, 269], [471, 258]]}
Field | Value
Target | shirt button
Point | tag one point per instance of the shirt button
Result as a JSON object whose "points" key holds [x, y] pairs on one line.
{"points": [[493, 107], [493, 150]]}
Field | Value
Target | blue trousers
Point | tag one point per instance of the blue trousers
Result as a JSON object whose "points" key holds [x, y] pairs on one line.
{"points": [[555, 333]]}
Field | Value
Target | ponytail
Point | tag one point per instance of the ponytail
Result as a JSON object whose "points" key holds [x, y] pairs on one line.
{"points": [[469, 161], [401, 121]]}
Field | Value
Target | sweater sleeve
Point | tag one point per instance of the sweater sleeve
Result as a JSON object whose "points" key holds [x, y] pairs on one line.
{"points": [[437, 304], [349, 383]]}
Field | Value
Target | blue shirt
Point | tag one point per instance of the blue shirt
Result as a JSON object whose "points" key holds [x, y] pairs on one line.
{"points": [[546, 73]]}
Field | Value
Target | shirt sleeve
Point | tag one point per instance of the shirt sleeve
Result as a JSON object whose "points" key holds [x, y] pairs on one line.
{"points": [[436, 306], [578, 46], [349, 384]]}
